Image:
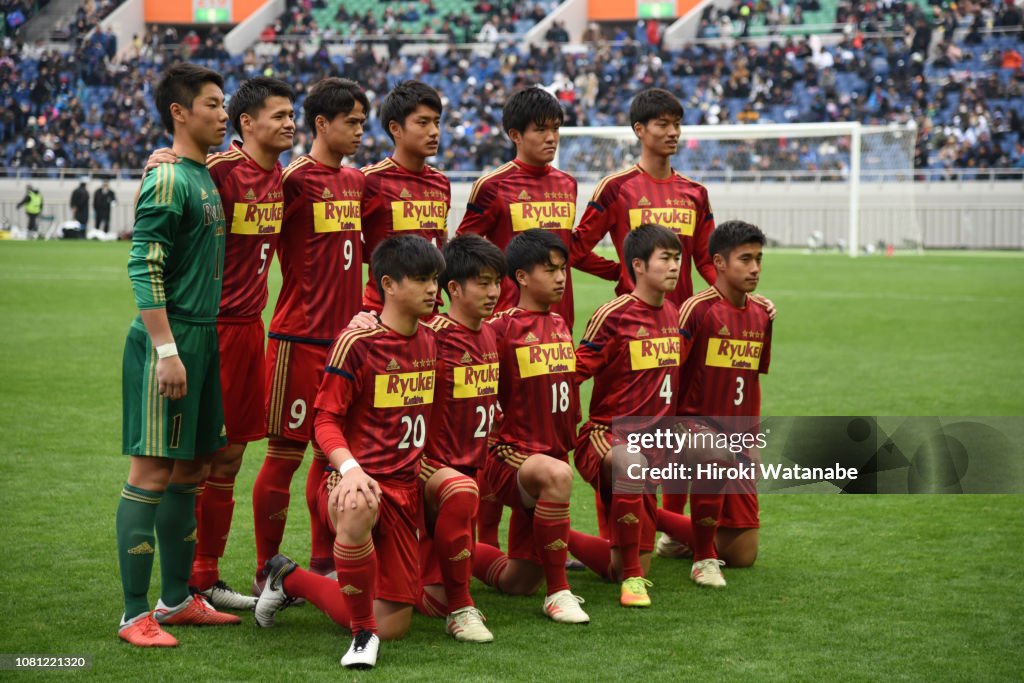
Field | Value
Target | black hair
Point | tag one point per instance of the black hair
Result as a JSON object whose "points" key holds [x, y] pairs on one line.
{"points": [[180, 84], [532, 248], [332, 96], [652, 103], [642, 242], [252, 96], [531, 105], [467, 256], [732, 234], [403, 100], [405, 256]]}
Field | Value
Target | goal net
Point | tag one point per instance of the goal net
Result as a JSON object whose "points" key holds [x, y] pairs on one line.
{"points": [[817, 185]]}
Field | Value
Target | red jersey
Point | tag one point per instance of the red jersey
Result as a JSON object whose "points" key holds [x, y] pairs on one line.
{"points": [[725, 350], [253, 208], [320, 252], [517, 197], [402, 202], [539, 399], [626, 200], [466, 394], [631, 349], [375, 399]]}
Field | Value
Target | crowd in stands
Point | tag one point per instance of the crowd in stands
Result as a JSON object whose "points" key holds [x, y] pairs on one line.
{"points": [[83, 109], [14, 14], [87, 16]]}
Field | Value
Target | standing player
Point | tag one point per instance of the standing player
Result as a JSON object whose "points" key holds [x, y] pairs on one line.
{"points": [[321, 264], [631, 349], [173, 413], [718, 326], [527, 467], [649, 192], [405, 196], [372, 413], [456, 450]]}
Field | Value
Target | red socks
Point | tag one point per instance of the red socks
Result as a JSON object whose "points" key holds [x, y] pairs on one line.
{"points": [[489, 564], [678, 527], [428, 605], [320, 591], [705, 510], [321, 548], [357, 577], [214, 509], [627, 509], [674, 502], [453, 538], [551, 541], [270, 496], [592, 551]]}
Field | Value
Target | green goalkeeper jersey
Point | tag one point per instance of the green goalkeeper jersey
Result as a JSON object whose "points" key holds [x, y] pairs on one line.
{"points": [[178, 245]]}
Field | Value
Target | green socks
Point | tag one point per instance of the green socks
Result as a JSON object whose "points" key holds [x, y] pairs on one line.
{"points": [[176, 531], [136, 513]]}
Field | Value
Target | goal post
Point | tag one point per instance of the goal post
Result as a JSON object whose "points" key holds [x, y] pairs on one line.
{"points": [[805, 174]]}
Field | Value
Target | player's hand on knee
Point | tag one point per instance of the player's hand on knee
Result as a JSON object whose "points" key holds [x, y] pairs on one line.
{"points": [[164, 155], [170, 375], [355, 489]]}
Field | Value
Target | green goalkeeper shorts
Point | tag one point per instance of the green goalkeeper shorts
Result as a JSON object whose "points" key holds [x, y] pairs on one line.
{"points": [[157, 426]]}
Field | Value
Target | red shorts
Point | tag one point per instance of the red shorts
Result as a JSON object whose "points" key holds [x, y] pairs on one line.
{"points": [[294, 372], [242, 380], [741, 510], [394, 536], [593, 442]]}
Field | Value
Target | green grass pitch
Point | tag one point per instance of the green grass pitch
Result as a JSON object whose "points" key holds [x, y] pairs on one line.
{"points": [[846, 587]]}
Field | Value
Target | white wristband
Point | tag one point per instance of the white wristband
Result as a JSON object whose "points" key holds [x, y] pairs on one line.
{"points": [[349, 464], [167, 350]]}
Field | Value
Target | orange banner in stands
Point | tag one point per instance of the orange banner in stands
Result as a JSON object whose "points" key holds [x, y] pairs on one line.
{"points": [[200, 11], [619, 10]]}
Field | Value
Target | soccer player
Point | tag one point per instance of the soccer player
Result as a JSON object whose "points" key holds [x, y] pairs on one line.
{"points": [[718, 324], [650, 191], [465, 400], [321, 264], [372, 414], [527, 467], [405, 196], [173, 414], [631, 349]]}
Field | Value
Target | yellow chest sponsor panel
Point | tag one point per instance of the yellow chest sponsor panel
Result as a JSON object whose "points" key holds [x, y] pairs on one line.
{"points": [[404, 389], [546, 359], [419, 215], [548, 215], [257, 219], [734, 354], [681, 221], [472, 381], [337, 216], [661, 352]]}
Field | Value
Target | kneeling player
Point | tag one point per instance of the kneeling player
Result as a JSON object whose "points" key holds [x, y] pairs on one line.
{"points": [[372, 413], [527, 466], [464, 404], [631, 349], [715, 324]]}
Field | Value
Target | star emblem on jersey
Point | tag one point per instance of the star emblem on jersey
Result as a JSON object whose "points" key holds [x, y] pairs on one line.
{"points": [[724, 330], [524, 195], [327, 194], [392, 366], [628, 518], [143, 548], [557, 544], [466, 358], [349, 589], [644, 201], [250, 195], [530, 338], [641, 332], [405, 194], [463, 555]]}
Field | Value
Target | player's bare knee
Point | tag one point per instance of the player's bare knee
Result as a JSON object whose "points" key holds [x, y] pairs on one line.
{"points": [[190, 471], [556, 484], [228, 461], [393, 619]]}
